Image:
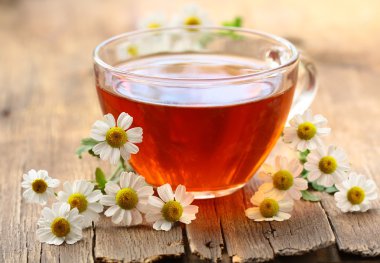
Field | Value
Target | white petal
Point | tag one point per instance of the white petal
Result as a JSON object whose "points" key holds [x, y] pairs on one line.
{"points": [[155, 201], [314, 175], [28, 194], [109, 119], [108, 200], [325, 180], [152, 217], [302, 146], [294, 194], [157, 225], [283, 216], [166, 226], [48, 214], [96, 207], [191, 209], [266, 187], [180, 193], [118, 216], [131, 148], [165, 192], [124, 121], [94, 196], [145, 191], [136, 217], [52, 183], [64, 209], [300, 183], [253, 213], [281, 162], [124, 153], [111, 211], [111, 188], [125, 179], [115, 155], [127, 217], [134, 135]]}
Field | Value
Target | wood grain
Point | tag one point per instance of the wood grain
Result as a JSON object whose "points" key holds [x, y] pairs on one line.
{"points": [[357, 233], [204, 234], [135, 244]]}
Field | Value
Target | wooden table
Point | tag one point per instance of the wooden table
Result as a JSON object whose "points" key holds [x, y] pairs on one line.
{"points": [[48, 102]]}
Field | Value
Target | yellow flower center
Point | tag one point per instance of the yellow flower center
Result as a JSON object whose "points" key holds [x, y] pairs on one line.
{"points": [[60, 227], [79, 201], [192, 21], [116, 137], [127, 198], [328, 164], [306, 131], [154, 25], [172, 211], [283, 180], [356, 195], [269, 207], [133, 51], [39, 186]]}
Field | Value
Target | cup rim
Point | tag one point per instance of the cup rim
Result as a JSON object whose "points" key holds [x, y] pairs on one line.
{"points": [[125, 73]]}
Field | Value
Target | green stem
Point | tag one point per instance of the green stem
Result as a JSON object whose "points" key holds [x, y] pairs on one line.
{"points": [[118, 170]]}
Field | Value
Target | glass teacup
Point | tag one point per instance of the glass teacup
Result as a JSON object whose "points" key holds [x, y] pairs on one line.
{"points": [[212, 101]]}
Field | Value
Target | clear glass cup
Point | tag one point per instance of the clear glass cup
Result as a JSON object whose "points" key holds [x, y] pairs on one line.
{"points": [[212, 101]]}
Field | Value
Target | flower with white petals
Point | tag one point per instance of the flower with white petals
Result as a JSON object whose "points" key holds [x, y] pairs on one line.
{"points": [[81, 195], [127, 200], [355, 193], [327, 166], [60, 224], [305, 131], [269, 207], [192, 15], [284, 178], [170, 207], [115, 140], [153, 21], [39, 186]]}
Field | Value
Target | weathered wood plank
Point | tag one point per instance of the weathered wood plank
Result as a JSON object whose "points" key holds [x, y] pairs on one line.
{"points": [[307, 230], [139, 243], [204, 234], [356, 110], [245, 240]]}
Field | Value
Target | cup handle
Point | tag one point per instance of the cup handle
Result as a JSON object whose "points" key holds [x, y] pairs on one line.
{"points": [[306, 87]]}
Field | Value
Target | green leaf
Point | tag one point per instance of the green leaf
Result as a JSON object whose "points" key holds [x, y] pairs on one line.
{"points": [[86, 145], [317, 187], [303, 156], [100, 178], [331, 189], [306, 195], [304, 173], [236, 22]]}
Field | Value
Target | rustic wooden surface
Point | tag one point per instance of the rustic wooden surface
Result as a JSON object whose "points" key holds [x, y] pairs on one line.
{"points": [[48, 102]]}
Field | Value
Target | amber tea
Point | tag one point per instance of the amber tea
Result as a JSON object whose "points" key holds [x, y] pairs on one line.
{"points": [[208, 142]]}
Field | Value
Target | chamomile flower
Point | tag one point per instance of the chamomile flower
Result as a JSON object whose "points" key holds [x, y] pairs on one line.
{"points": [[284, 178], [192, 15], [355, 193], [115, 140], [153, 21], [327, 166], [170, 207], [81, 195], [127, 200], [269, 207], [305, 131], [39, 186], [60, 224], [129, 50]]}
